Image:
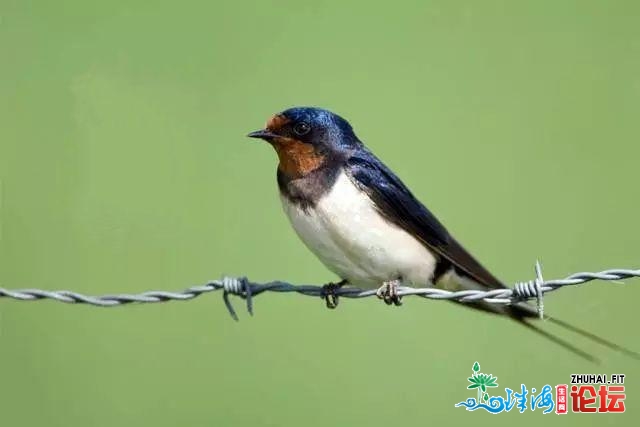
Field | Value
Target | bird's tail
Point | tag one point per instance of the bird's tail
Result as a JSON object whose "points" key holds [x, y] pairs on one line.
{"points": [[525, 314]]}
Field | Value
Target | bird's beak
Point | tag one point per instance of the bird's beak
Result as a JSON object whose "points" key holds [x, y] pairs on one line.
{"points": [[262, 134]]}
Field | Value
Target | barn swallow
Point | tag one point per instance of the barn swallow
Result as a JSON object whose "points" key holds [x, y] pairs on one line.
{"points": [[366, 226]]}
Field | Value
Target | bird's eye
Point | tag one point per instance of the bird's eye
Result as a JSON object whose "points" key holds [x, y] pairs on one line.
{"points": [[301, 128]]}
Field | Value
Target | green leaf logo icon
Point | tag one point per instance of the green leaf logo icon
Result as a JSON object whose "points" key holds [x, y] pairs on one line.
{"points": [[481, 382]]}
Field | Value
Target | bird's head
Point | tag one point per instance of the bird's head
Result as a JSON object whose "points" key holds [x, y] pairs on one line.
{"points": [[305, 138]]}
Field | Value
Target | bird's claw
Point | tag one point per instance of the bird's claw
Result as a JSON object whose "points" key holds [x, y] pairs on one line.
{"points": [[329, 293], [388, 292]]}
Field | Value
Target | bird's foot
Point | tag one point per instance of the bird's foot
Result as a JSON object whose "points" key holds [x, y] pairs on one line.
{"points": [[329, 293], [388, 292]]}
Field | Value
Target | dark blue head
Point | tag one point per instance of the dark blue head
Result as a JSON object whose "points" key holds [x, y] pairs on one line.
{"points": [[320, 128]]}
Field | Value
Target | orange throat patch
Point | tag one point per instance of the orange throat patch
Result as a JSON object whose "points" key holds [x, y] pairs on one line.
{"points": [[297, 158]]}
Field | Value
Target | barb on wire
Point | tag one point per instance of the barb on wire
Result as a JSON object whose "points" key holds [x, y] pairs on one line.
{"points": [[242, 287]]}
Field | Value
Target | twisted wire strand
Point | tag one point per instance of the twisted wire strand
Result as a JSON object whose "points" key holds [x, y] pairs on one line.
{"points": [[242, 287]]}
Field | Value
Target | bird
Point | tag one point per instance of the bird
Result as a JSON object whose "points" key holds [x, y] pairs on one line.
{"points": [[365, 225]]}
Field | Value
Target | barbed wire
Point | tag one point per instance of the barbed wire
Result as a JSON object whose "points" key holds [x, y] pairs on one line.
{"points": [[242, 287]]}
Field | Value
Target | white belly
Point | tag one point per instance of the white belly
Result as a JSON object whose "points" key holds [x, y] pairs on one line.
{"points": [[349, 236]]}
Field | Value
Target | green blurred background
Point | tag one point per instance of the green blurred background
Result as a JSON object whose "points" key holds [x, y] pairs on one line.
{"points": [[124, 168]]}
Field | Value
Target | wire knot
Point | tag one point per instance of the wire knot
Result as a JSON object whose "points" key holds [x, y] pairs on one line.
{"points": [[239, 286], [532, 289], [233, 285], [523, 291]]}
